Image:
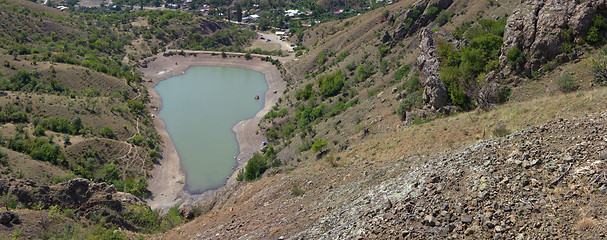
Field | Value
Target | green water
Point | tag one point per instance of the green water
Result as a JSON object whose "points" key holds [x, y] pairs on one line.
{"points": [[200, 108]]}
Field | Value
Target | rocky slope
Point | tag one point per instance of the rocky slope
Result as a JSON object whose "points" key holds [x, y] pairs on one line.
{"points": [[546, 182]]}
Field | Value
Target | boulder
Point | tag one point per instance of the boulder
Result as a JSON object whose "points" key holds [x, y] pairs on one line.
{"points": [[7, 217]]}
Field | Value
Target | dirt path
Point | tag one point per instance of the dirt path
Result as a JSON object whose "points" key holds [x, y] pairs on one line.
{"points": [[168, 179]]}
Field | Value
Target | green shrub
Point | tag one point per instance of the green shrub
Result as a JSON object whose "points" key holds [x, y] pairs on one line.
{"points": [[413, 83], [598, 68], [143, 217], [500, 130], [9, 201], [515, 56], [432, 12], [107, 132], [565, 83], [363, 72], [319, 145], [593, 36], [304, 93], [382, 50], [330, 85], [443, 17], [401, 72], [322, 58], [342, 56], [296, 190], [256, 166], [137, 140], [413, 100]]}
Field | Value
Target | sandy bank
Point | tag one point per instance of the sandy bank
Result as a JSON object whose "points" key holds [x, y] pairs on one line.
{"points": [[168, 178]]}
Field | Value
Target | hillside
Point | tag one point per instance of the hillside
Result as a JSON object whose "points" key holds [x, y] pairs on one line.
{"points": [[418, 119], [73, 116], [512, 151]]}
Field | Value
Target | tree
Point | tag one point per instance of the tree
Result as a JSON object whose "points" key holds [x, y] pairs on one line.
{"points": [[110, 173], [264, 24], [107, 132], [255, 167], [238, 13]]}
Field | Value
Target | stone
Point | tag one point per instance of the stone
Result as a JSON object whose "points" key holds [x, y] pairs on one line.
{"points": [[467, 219], [7, 217], [447, 229], [429, 221]]}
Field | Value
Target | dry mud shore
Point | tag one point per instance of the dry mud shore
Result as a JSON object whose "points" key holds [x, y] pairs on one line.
{"points": [[168, 179]]}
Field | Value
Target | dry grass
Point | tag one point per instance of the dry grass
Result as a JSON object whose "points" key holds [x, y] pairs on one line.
{"points": [[265, 46], [585, 224]]}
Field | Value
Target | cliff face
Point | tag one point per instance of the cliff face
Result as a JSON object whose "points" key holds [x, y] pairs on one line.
{"points": [[542, 28]]}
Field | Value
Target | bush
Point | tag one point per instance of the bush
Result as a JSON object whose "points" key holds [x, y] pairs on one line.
{"points": [[515, 56], [363, 72], [107, 132], [137, 140], [598, 68], [305, 93], [330, 85], [319, 145], [432, 12], [500, 130], [443, 17], [413, 100], [382, 50], [296, 190], [401, 72], [143, 216], [413, 83], [565, 83], [322, 58], [256, 166]]}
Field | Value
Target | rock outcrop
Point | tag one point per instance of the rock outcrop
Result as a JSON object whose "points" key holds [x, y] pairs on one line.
{"points": [[540, 29], [416, 18], [85, 197], [435, 93]]}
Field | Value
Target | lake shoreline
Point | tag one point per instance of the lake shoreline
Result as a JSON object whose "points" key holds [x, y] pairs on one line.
{"points": [[167, 184]]}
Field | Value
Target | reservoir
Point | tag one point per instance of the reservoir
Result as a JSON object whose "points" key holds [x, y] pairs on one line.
{"points": [[199, 109]]}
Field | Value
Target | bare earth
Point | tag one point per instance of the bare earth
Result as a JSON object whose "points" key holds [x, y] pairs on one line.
{"points": [[168, 179]]}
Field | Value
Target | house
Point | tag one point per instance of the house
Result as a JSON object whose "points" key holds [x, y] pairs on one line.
{"points": [[338, 11], [63, 8], [292, 13], [280, 33], [252, 17]]}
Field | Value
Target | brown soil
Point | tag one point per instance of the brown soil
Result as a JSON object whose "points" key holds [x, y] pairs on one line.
{"points": [[168, 181]]}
